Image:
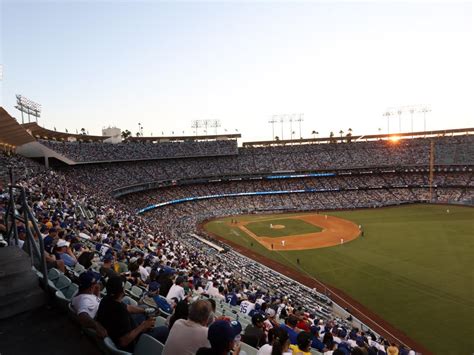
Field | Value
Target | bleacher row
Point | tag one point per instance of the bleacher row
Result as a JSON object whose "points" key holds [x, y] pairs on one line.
{"points": [[55, 199], [64, 290]]}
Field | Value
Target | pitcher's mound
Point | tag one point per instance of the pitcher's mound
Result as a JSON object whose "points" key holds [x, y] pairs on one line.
{"points": [[277, 226]]}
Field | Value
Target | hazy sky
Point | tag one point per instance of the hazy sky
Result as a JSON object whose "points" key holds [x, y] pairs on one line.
{"points": [[163, 64]]}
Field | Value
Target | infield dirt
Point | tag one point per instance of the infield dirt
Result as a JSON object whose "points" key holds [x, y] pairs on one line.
{"points": [[334, 231]]}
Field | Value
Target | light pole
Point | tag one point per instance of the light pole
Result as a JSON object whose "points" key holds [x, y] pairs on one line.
{"points": [[29, 107], [291, 126], [196, 124], [425, 110], [299, 120], [388, 114], [282, 119], [399, 112], [273, 121]]}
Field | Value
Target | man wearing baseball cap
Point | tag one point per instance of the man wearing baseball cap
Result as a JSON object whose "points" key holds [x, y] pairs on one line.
{"points": [[86, 302], [64, 253], [254, 333], [221, 336], [116, 317]]}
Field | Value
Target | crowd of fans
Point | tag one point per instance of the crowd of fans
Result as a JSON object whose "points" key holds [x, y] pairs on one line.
{"points": [[210, 299], [98, 151], [450, 151], [456, 150], [23, 167], [82, 225]]}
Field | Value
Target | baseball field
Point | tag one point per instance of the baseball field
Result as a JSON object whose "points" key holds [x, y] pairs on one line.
{"points": [[412, 265]]}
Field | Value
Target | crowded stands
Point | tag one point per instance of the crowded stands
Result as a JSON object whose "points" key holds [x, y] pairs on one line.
{"points": [[137, 282], [98, 151]]}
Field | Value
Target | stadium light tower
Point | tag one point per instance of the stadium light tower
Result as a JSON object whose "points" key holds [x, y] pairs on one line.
{"points": [[412, 110], [399, 112], [282, 119], [29, 107], [196, 124], [425, 109], [291, 125], [387, 114], [273, 121], [215, 124], [299, 120]]}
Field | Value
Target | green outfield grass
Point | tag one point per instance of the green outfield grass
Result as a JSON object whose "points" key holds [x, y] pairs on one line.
{"points": [[292, 227], [413, 267]]}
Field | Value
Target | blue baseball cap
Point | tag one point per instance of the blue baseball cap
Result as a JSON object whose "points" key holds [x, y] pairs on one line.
{"points": [[87, 279], [222, 332], [153, 286], [108, 257]]}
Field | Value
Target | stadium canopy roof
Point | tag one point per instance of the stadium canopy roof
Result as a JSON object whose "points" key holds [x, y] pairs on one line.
{"points": [[12, 134], [184, 138], [43, 133], [335, 139]]}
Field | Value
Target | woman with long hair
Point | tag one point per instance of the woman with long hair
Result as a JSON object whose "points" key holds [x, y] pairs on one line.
{"points": [[278, 343], [180, 312]]}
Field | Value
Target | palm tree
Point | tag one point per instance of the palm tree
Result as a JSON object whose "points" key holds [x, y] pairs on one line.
{"points": [[277, 138], [314, 134], [349, 135], [83, 131], [341, 132], [126, 134]]}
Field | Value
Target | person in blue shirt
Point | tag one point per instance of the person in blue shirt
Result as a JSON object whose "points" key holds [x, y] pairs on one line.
{"points": [[289, 326], [316, 343], [231, 298], [64, 253]]}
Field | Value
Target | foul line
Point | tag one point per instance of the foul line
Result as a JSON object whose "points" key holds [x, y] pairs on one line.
{"points": [[339, 297]]}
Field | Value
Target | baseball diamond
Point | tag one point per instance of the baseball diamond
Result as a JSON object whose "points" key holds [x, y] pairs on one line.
{"points": [[321, 231], [399, 251]]}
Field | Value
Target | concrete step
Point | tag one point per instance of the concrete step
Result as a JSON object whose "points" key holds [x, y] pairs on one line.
{"points": [[13, 260], [11, 285], [30, 300], [19, 285]]}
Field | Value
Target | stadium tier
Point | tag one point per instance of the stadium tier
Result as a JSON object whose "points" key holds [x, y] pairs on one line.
{"points": [[162, 262]]}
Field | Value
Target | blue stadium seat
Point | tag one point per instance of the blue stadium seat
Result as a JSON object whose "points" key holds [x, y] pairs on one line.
{"points": [[148, 345], [112, 348]]}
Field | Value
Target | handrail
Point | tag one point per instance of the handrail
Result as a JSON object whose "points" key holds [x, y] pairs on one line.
{"points": [[11, 218]]}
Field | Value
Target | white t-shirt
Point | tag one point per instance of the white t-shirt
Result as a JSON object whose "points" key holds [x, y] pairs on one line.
{"points": [[185, 338], [175, 291], [246, 307], [86, 303], [143, 273], [267, 350]]}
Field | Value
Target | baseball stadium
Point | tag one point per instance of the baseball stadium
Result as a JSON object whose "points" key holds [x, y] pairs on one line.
{"points": [[216, 240]]}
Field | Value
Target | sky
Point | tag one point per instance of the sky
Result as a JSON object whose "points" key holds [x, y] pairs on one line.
{"points": [[342, 65]]}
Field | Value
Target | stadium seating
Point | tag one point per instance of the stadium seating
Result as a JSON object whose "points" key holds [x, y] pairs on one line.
{"points": [[75, 201]]}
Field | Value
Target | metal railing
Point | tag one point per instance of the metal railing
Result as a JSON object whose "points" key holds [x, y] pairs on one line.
{"points": [[23, 214]]}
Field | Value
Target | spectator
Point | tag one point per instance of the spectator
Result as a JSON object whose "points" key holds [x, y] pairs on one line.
{"points": [[116, 317], [64, 253], [303, 344], [86, 302], [222, 336], [392, 349], [188, 335], [290, 326], [254, 333], [278, 343], [316, 343], [177, 290], [181, 311], [107, 269]]}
